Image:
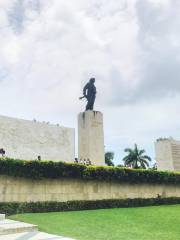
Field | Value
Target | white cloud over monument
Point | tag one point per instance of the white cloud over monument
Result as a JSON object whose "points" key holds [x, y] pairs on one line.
{"points": [[49, 49]]}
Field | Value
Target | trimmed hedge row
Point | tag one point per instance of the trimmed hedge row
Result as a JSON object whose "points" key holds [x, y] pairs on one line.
{"points": [[57, 170], [40, 207]]}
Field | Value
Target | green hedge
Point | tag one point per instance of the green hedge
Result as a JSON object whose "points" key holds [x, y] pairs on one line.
{"points": [[40, 207], [57, 170]]}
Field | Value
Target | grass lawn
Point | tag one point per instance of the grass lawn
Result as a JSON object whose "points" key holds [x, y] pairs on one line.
{"points": [[147, 223]]}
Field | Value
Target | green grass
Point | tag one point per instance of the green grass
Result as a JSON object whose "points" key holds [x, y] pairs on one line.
{"points": [[146, 223]]}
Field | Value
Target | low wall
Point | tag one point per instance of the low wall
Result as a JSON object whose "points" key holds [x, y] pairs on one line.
{"points": [[25, 190]]}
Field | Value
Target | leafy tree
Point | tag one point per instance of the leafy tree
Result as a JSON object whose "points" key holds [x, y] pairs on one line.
{"points": [[136, 158], [109, 156]]}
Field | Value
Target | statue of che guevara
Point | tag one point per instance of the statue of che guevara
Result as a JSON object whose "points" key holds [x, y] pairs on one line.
{"points": [[89, 92]]}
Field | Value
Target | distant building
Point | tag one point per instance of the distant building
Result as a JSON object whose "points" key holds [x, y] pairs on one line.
{"points": [[167, 154]]}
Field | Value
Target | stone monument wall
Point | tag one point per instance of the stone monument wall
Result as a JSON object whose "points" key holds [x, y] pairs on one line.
{"points": [[168, 154], [25, 190], [27, 140]]}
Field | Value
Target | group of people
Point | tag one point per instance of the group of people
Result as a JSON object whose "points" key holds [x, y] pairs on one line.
{"points": [[83, 161]]}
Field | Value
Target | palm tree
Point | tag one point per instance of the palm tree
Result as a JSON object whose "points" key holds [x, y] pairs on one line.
{"points": [[109, 156], [136, 158]]}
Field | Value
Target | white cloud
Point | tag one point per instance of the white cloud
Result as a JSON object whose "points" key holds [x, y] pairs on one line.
{"points": [[49, 49]]}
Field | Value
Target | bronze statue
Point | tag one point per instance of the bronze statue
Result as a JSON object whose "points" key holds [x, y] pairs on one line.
{"points": [[89, 92]]}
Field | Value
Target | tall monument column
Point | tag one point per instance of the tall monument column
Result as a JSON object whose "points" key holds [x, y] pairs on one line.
{"points": [[91, 137]]}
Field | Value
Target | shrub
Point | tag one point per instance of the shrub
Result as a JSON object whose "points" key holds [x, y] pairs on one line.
{"points": [[58, 170], [40, 207]]}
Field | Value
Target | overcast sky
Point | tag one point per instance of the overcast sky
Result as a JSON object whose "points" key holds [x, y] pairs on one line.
{"points": [[50, 48]]}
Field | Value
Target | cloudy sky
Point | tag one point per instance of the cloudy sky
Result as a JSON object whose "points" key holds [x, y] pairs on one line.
{"points": [[50, 48]]}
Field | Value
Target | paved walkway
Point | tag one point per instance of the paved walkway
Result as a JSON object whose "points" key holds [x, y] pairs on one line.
{"points": [[32, 236], [15, 230]]}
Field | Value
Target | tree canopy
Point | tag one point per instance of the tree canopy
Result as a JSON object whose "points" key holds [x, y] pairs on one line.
{"points": [[109, 156], [136, 158]]}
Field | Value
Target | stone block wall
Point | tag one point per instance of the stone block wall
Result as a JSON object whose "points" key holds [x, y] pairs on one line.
{"points": [[25, 190], [168, 154], [91, 137], [27, 140]]}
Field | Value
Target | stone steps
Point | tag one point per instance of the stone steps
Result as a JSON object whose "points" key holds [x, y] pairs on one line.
{"points": [[15, 230], [10, 226], [32, 236]]}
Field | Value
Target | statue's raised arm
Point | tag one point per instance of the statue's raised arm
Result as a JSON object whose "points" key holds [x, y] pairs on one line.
{"points": [[89, 92]]}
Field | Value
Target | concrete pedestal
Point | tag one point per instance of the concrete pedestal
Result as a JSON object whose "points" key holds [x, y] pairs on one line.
{"points": [[91, 137]]}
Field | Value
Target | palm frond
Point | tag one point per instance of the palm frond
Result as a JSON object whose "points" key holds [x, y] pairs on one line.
{"points": [[147, 157], [128, 150], [141, 152], [144, 161]]}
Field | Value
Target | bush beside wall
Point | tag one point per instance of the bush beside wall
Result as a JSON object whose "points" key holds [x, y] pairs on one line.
{"points": [[57, 170], [40, 207]]}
